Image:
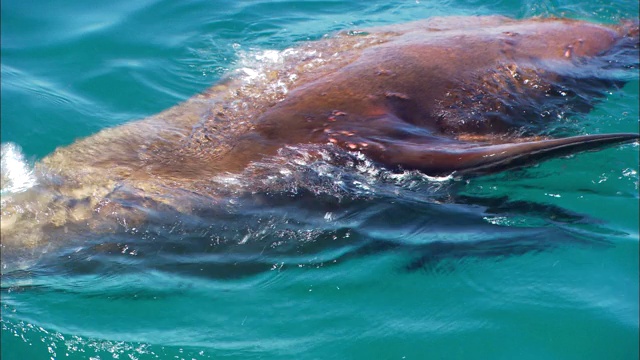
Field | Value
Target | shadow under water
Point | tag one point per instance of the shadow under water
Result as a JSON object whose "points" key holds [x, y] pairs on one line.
{"points": [[314, 224], [221, 187]]}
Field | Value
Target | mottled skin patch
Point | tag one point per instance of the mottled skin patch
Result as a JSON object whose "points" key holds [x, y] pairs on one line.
{"points": [[441, 95]]}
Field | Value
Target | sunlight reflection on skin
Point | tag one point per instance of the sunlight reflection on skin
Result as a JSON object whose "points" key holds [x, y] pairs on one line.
{"points": [[372, 93]]}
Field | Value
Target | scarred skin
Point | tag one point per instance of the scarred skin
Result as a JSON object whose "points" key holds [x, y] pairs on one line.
{"points": [[401, 114], [441, 96]]}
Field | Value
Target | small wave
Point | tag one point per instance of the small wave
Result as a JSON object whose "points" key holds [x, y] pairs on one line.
{"points": [[22, 81], [17, 175]]}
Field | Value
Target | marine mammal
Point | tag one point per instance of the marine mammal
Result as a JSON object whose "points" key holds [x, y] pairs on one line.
{"points": [[440, 95]]}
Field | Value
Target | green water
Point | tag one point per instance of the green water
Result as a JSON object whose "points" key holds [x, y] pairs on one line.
{"points": [[389, 275]]}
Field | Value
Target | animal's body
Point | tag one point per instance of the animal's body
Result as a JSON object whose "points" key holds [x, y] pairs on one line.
{"points": [[451, 95]]}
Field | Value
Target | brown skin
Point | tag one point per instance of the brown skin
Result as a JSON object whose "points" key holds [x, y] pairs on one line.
{"points": [[403, 99], [430, 95], [407, 84]]}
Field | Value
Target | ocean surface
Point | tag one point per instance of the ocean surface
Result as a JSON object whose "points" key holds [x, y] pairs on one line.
{"points": [[538, 263]]}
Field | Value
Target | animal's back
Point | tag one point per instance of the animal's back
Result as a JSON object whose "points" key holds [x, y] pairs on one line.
{"points": [[439, 95]]}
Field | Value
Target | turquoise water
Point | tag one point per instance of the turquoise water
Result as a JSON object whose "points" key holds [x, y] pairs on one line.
{"points": [[539, 263]]}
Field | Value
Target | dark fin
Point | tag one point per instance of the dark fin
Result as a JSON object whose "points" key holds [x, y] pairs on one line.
{"points": [[445, 157], [501, 157]]}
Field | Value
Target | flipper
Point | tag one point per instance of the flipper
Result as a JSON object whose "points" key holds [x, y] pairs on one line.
{"points": [[443, 158]]}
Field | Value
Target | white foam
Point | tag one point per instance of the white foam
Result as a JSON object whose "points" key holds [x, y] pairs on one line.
{"points": [[17, 175], [255, 64]]}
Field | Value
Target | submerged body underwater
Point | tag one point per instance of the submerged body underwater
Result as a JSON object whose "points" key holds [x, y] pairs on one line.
{"points": [[314, 248]]}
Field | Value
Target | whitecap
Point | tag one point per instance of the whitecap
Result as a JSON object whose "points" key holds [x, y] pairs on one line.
{"points": [[17, 175]]}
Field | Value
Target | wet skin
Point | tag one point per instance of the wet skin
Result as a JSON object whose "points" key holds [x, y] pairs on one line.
{"points": [[433, 95], [445, 95], [402, 103]]}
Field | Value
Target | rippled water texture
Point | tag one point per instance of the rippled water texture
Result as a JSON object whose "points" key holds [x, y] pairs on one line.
{"points": [[333, 258]]}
